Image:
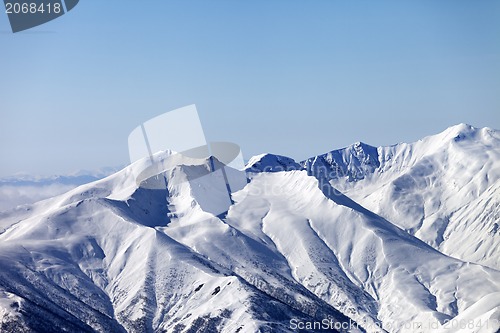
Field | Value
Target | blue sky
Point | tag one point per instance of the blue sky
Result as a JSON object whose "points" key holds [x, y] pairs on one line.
{"points": [[297, 78]]}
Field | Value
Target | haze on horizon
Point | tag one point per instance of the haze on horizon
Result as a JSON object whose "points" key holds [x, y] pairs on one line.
{"points": [[291, 78]]}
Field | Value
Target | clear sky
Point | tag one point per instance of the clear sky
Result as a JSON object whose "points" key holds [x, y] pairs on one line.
{"points": [[296, 78]]}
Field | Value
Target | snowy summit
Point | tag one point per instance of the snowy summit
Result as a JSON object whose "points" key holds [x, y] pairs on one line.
{"points": [[376, 239]]}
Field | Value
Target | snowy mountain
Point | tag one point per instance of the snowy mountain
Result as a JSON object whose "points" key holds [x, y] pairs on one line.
{"points": [[126, 254], [444, 189]]}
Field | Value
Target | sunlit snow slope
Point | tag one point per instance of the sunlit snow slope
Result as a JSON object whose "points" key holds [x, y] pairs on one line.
{"points": [[444, 189], [100, 258], [118, 256]]}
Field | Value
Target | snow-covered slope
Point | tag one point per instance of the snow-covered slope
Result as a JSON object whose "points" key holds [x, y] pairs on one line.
{"points": [[328, 240], [271, 163], [98, 259], [444, 189], [154, 255]]}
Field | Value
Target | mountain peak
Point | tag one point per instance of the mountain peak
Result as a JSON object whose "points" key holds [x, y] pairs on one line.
{"points": [[360, 144], [463, 132], [459, 132], [271, 163], [197, 254], [353, 162]]}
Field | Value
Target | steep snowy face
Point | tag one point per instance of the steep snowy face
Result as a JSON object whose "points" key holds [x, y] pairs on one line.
{"points": [[334, 246], [90, 269], [473, 231], [151, 251], [353, 163], [99, 258], [271, 163], [442, 189]]}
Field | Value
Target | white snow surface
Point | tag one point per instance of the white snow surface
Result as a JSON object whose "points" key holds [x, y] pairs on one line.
{"points": [[119, 256], [444, 189]]}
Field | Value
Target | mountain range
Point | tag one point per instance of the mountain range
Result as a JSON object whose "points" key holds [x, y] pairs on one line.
{"points": [[361, 239]]}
